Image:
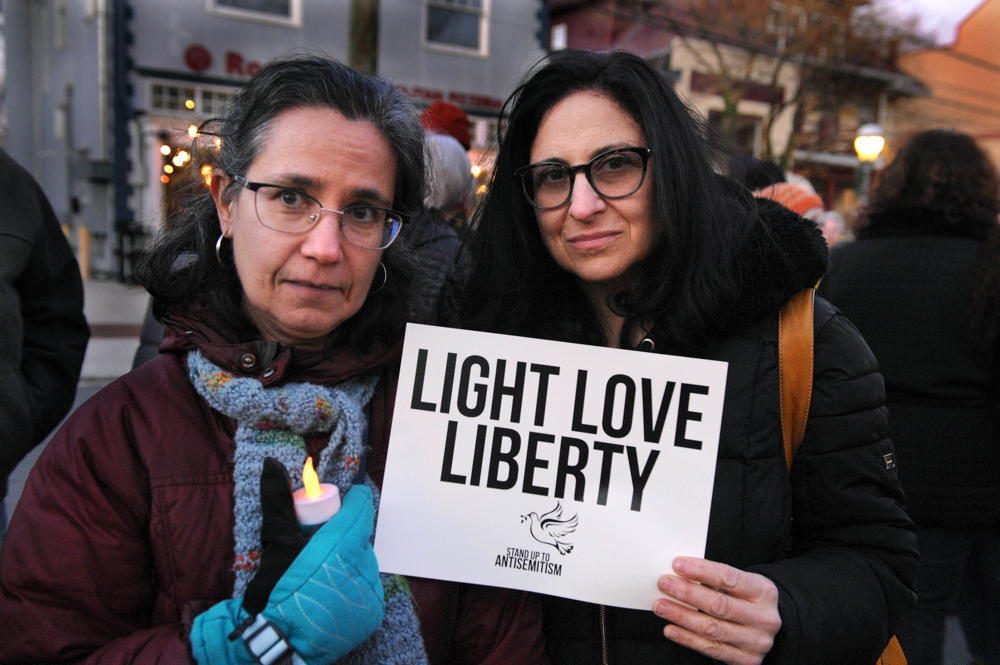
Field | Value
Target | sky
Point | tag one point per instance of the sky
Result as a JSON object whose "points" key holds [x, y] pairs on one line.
{"points": [[940, 18]]}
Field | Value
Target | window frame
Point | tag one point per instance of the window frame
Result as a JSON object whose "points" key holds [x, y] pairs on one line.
{"points": [[484, 33], [199, 91], [775, 23], [294, 19]]}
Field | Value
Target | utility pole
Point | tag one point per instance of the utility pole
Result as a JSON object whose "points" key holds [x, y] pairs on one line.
{"points": [[362, 53]]}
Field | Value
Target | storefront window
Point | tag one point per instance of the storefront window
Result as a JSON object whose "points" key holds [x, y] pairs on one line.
{"points": [[199, 102], [170, 97], [214, 102]]}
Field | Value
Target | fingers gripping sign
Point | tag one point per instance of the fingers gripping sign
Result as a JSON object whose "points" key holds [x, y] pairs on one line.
{"points": [[725, 613]]}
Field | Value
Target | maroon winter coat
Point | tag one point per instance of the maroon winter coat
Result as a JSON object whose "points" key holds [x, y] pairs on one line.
{"points": [[124, 531]]}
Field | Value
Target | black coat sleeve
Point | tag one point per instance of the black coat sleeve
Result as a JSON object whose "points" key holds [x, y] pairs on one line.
{"points": [[43, 332], [854, 561], [150, 336]]}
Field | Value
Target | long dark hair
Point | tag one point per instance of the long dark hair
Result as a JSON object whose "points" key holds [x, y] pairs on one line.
{"points": [[515, 286], [281, 85]]}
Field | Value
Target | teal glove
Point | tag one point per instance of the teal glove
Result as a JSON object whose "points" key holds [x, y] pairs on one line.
{"points": [[327, 602]]}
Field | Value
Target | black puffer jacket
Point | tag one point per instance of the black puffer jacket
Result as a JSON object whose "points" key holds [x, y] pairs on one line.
{"points": [[434, 246], [835, 539], [907, 283], [43, 333]]}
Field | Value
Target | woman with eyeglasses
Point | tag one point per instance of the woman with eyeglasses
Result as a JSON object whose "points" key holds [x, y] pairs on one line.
{"points": [[159, 524], [606, 225]]}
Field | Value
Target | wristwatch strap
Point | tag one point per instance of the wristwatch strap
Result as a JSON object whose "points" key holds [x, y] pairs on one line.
{"points": [[268, 645]]}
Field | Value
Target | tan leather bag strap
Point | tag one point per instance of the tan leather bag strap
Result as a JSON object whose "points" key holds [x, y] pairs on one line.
{"points": [[893, 654], [795, 370]]}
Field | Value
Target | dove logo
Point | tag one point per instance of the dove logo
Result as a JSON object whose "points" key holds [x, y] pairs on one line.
{"points": [[551, 529]]}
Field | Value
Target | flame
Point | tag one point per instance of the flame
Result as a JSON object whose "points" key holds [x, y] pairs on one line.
{"points": [[310, 480]]}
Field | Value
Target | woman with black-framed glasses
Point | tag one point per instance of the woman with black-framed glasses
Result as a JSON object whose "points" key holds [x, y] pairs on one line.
{"points": [[159, 525], [605, 224]]}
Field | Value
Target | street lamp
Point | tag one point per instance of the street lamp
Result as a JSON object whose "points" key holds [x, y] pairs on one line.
{"points": [[868, 144]]}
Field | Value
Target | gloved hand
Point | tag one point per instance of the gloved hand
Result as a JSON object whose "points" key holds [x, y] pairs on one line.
{"points": [[323, 603]]}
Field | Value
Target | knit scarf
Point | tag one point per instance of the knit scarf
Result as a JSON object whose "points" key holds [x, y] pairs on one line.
{"points": [[271, 422]]}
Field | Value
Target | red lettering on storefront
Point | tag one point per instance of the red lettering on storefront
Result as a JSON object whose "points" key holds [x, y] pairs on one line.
{"points": [[197, 57], [466, 99], [234, 63]]}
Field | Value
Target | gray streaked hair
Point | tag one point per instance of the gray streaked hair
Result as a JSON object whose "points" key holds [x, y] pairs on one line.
{"points": [[448, 172]]}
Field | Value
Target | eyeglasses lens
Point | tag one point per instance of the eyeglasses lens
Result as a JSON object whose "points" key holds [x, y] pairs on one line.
{"points": [[614, 174], [291, 211], [285, 210], [373, 228]]}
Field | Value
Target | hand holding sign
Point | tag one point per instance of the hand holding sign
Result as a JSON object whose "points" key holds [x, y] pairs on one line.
{"points": [[735, 615]]}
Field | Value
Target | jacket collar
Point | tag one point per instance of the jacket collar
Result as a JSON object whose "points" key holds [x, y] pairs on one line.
{"points": [[919, 220], [198, 327]]}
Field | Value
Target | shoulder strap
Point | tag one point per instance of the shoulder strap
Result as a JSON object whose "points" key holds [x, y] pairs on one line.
{"points": [[795, 368]]}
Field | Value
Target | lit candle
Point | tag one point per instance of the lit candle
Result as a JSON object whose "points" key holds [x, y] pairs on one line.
{"points": [[315, 502]]}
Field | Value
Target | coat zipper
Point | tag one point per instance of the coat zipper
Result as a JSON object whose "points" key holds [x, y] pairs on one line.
{"points": [[602, 615]]}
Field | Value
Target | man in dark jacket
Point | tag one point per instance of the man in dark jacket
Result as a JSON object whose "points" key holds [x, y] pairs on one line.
{"points": [[43, 333]]}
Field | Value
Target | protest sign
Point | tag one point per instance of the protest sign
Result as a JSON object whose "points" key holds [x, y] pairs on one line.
{"points": [[565, 469]]}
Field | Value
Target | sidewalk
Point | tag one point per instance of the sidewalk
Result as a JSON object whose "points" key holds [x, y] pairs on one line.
{"points": [[114, 312]]}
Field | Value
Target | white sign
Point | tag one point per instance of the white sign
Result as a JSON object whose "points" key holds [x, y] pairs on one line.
{"points": [[564, 469]]}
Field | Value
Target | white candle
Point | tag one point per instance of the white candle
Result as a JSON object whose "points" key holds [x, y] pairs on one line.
{"points": [[316, 502]]}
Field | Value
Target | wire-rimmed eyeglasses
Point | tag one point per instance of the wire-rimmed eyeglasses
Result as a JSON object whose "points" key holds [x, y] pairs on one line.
{"points": [[290, 210], [614, 174]]}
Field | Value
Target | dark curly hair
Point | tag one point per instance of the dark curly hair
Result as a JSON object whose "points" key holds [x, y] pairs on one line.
{"points": [[943, 171], [283, 84]]}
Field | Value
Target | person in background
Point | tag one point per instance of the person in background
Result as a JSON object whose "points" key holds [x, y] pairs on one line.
{"points": [[767, 180], [796, 198], [755, 173], [433, 234], [604, 224], [445, 118], [834, 229], [922, 283], [158, 525], [450, 178], [44, 333], [976, 611], [150, 338]]}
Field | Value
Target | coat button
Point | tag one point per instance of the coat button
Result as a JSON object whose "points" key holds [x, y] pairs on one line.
{"points": [[248, 360], [268, 372]]}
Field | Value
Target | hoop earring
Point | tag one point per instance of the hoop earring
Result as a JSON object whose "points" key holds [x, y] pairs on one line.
{"points": [[385, 280], [218, 249]]}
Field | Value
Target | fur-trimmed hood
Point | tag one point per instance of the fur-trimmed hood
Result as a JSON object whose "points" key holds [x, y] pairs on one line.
{"points": [[783, 254]]}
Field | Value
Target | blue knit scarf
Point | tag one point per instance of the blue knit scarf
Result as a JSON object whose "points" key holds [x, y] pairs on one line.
{"points": [[271, 422]]}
